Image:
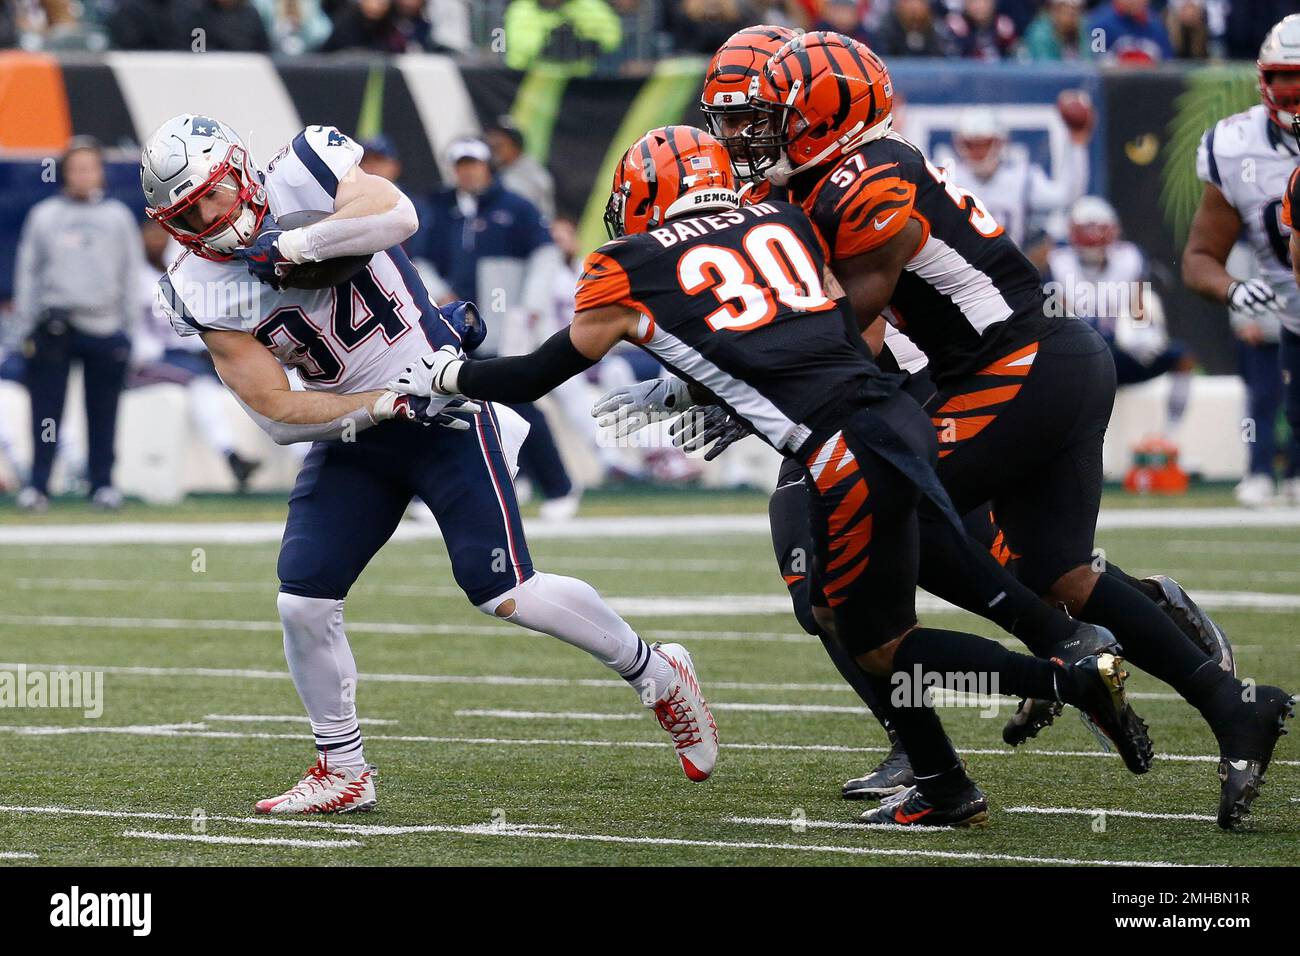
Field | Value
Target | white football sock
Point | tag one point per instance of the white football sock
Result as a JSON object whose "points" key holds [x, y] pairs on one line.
{"points": [[323, 670], [572, 611]]}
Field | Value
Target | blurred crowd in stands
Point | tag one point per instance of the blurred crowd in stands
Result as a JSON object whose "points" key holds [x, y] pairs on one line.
{"points": [[603, 36]]}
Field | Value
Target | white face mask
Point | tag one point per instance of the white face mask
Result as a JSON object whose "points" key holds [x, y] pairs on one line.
{"points": [[238, 233]]}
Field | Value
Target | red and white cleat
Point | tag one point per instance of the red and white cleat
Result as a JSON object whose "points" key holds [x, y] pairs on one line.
{"points": [[685, 714], [326, 790]]}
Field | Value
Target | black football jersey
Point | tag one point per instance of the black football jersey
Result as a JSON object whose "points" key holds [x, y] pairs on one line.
{"points": [[733, 300], [1291, 199], [967, 296]]}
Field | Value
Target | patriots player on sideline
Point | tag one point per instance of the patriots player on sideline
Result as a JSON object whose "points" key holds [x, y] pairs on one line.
{"points": [[1024, 394], [1246, 161], [246, 231], [731, 298]]}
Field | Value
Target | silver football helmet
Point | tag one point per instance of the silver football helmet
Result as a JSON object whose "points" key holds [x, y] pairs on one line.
{"points": [[188, 158], [1280, 53]]}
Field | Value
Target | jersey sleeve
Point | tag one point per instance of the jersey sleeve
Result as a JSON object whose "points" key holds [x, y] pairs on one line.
{"points": [[326, 155], [1291, 198], [857, 211], [603, 281], [169, 302], [1207, 161]]}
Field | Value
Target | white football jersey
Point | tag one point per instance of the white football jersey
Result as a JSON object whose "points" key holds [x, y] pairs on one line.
{"points": [[1020, 194], [350, 338], [1250, 160], [1099, 295]]}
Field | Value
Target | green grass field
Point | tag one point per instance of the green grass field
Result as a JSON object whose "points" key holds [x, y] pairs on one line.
{"points": [[497, 746]]}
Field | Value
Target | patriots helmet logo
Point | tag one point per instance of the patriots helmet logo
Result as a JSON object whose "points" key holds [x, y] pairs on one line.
{"points": [[335, 138]]}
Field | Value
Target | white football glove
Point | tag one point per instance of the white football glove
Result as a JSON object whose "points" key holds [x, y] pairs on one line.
{"points": [[1253, 297], [431, 375], [631, 408]]}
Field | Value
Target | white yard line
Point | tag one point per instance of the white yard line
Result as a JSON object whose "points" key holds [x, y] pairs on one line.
{"points": [[796, 825], [241, 841], [17, 855], [548, 715], [283, 719], [192, 730], [1098, 812], [525, 832]]}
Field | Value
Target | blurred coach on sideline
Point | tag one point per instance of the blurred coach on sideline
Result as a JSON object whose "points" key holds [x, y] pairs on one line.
{"points": [[75, 277]]}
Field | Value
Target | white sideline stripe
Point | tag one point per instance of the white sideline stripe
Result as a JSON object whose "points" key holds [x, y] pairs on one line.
{"points": [[648, 526], [193, 730], [17, 855], [1136, 814], [242, 841], [526, 831], [282, 719]]}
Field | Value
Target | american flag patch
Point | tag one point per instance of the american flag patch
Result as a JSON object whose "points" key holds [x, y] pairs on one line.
{"points": [[701, 162]]}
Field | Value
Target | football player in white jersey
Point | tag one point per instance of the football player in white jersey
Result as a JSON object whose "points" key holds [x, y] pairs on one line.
{"points": [[1019, 193], [248, 233], [1245, 161], [1105, 281]]}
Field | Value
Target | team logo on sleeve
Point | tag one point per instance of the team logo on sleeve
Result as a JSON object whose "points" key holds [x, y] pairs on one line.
{"points": [[336, 138]]}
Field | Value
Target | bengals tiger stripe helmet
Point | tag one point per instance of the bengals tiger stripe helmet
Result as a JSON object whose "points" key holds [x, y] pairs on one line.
{"points": [[729, 78], [820, 96], [667, 172]]}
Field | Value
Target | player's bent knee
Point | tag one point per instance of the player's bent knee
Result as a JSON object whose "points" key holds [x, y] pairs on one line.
{"points": [[1073, 588], [307, 617]]}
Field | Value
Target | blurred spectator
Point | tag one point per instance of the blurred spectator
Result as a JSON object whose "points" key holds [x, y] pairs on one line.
{"points": [[213, 25], [379, 157], [980, 32], [783, 13], [846, 17], [910, 29], [701, 26], [160, 355], [1057, 33], [518, 171], [1106, 281], [1247, 23], [295, 26], [367, 25], [75, 299], [1130, 32], [492, 247], [145, 25], [1189, 29], [413, 23], [567, 33]]}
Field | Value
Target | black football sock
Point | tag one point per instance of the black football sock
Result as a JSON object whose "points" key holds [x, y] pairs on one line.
{"points": [[855, 676], [1119, 574], [955, 568], [931, 654], [1154, 643], [921, 734]]}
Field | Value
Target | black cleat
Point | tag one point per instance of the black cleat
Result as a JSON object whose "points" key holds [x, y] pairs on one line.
{"points": [[967, 808], [1035, 715], [242, 469], [1191, 620], [892, 775], [1099, 684], [1241, 778], [1030, 717]]}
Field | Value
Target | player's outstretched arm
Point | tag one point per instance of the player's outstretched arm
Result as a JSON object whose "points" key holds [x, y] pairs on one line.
{"points": [[252, 373], [523, 378]]}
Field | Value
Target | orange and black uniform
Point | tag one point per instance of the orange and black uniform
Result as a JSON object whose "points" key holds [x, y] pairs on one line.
{"points": [[1023, 395], [1291, 198], [733, 302]]}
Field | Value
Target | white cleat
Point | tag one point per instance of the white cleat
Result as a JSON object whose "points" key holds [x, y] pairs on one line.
{"points": [[326, 790], [1254, 491], [685, 714]]}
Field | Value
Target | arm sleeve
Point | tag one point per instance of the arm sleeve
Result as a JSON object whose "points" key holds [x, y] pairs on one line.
{"points": [[1047, 193], [327, 155], [286, 434], [364, 235], [1207, 164], [523, 378], [25, 277]]}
